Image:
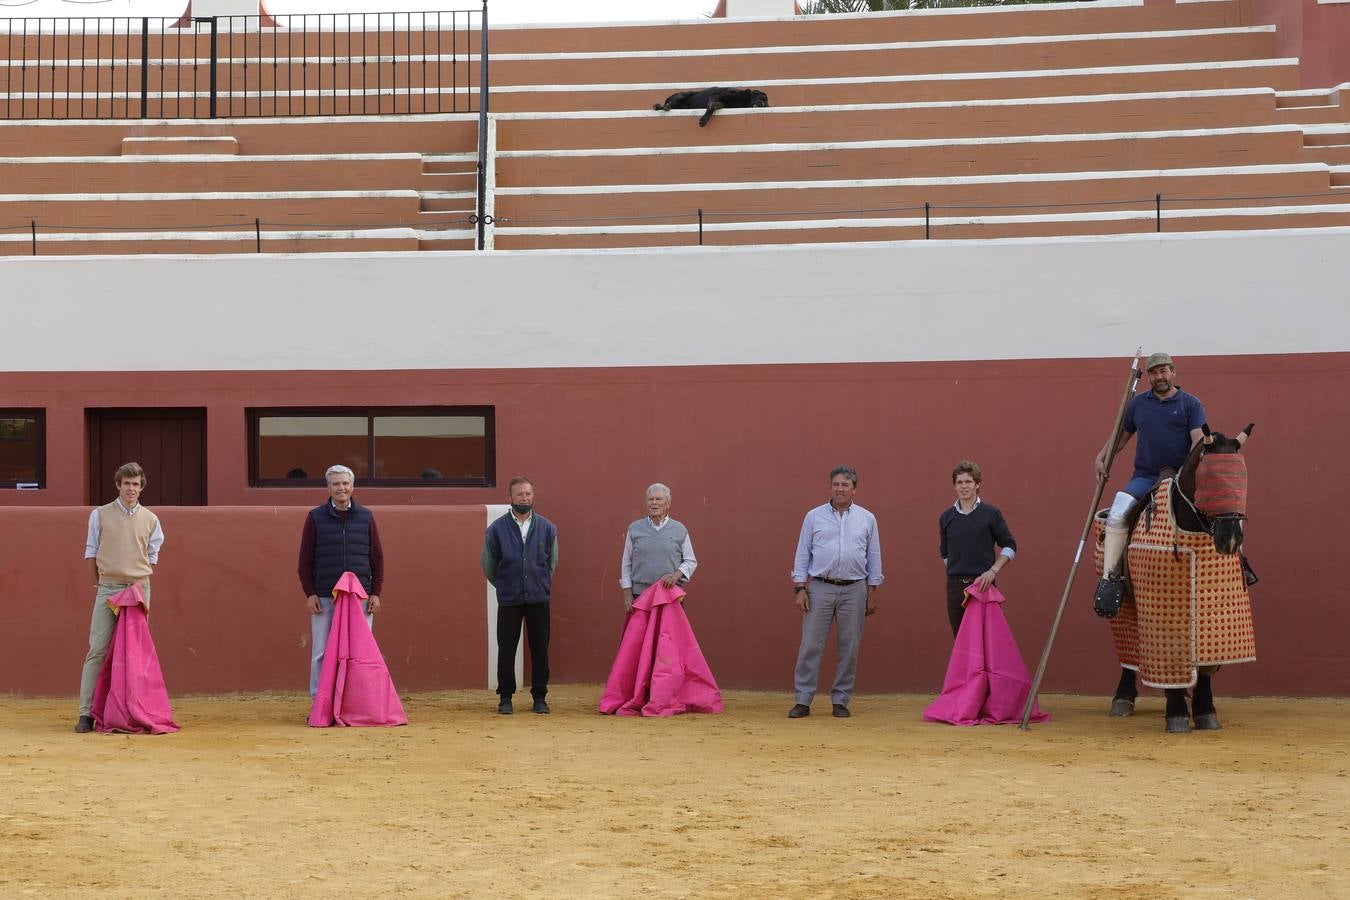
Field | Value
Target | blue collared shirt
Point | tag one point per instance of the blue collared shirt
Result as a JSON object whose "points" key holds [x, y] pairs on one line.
{"points": [[840, 545]]}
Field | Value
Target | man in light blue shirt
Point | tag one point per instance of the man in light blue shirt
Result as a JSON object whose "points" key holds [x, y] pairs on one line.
{"points": [[836, 572]]}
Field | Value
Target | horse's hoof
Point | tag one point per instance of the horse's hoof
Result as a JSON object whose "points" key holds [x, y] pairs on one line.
{"points": [[1121, 707], [1207, 722], [1107, 598], [1178, 725]]}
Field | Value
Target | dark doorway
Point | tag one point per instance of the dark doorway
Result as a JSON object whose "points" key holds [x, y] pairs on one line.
{"points": [[170, 444]]}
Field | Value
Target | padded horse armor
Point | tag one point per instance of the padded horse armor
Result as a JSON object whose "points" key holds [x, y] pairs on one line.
{"points": [[1190, 606]]}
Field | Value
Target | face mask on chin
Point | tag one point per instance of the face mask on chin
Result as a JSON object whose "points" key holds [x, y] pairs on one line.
{"points": [[521, 509]]}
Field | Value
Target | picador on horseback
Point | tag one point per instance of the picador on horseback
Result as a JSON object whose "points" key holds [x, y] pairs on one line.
{"points": [[1178, 601]]}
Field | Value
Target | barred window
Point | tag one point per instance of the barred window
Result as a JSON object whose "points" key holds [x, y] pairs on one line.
{"points": [[422, 446]]}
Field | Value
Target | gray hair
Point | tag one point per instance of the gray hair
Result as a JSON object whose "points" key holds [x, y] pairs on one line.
{"points": [[338, 470], [658, 486], [847, 471]]}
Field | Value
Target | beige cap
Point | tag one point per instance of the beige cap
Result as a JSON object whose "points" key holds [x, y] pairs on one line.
{"points": [[1157, 359]]}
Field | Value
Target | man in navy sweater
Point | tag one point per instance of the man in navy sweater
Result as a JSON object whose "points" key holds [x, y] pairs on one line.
{"points": [[339, 536], [520, 552], [967, 534]]}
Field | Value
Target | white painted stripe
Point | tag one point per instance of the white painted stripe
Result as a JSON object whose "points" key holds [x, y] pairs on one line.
{"points": [[918, 221], [925, 104], [223, 195], [1086, 72], [889, 46], [245, 236], [363, 119], [1339, 128], [494, 512], [161, 158], [835, 146], [1016, 9], [751, 305], [1113, 175]]}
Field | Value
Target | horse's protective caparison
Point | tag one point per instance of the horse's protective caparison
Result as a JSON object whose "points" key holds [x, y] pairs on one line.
{"points": [[1187, 610]]}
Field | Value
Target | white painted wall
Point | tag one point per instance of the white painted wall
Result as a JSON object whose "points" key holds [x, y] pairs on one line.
{"points": [[739, 9], [1231, 293]]}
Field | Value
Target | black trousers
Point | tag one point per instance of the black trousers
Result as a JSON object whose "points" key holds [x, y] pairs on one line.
{"points": [[956, 595], [535, 617]]}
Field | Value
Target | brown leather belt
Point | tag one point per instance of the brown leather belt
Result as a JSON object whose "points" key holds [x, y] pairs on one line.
{"points": [[836, 582]]}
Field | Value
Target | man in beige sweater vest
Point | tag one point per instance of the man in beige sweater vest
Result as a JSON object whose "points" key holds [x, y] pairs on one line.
{"points": [[122, 548]]}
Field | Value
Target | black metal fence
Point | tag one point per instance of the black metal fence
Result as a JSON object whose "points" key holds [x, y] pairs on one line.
{"points": [[329, 64]]}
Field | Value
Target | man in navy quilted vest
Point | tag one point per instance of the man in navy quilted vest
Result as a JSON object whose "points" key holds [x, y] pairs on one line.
{"points": [[339, 536], [520, 552]]}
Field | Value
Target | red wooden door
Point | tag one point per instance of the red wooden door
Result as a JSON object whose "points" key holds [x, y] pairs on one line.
{"points": [[170, 444]]}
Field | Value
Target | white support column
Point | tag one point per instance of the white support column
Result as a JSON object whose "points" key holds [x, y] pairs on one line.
{"points": [[490, 184], [496, 511]]}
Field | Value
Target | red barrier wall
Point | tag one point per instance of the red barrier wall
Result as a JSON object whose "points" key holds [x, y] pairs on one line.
{"points": [[746, 450], [227, 610]]}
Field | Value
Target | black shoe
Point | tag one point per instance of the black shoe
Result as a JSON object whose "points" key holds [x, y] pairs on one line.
{"points": [[800, 711], [504, 708], [840, 711], [540, 706], [84, 725], [1108, 597]]}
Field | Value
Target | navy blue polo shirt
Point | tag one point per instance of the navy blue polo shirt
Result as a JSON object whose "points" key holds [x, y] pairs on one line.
{"points": [[1164, 429]]}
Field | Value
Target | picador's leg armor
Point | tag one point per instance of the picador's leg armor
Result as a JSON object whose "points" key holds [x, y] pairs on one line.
{"points": [[1111, 589]]}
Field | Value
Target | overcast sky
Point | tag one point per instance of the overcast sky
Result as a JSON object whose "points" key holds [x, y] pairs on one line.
{"points": [[499, 11]]}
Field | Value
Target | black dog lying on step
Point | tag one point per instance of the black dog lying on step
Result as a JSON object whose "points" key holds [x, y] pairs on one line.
{"points": [[714, 98]]}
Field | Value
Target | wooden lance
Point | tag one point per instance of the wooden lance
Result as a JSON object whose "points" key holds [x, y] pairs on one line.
{"points": [[1130, 384]]}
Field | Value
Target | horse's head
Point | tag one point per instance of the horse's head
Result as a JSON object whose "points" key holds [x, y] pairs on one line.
{"points": [[1215, 476]]}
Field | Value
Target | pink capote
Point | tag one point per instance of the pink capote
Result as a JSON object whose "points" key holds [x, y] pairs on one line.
{"points": [[354, 684], [130, 695], [659, 669], [986, 681]]}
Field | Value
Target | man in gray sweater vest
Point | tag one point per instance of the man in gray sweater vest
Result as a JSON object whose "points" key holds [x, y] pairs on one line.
{"points": [[656, 548]]}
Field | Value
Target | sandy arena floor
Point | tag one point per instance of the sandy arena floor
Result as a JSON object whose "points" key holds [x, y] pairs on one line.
{"points": [[247, 801]]}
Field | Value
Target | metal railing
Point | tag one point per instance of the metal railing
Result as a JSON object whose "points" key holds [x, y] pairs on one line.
{"points": [[917, 221], [329, 64]]}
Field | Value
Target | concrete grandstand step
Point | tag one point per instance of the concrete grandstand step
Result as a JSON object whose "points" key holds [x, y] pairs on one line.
{"points": [[212, 145], [1329, 134], [1155, 111], [1331, 154], [745, 65], [122, 243], [953, 86], [180, 211], [617, 204], [448, 201], [561, 170], [160, 174], [939, 227], [319, 135], [924, 24]]}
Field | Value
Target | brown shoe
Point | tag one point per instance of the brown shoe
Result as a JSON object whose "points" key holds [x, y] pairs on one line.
{"points": [[840, 711], [84, 725], [800, 711]]}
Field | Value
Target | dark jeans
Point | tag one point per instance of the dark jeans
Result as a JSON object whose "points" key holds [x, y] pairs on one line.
{"points": [[535, 616], [956, 595]]}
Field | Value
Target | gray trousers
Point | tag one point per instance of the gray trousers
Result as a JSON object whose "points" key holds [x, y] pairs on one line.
{"points": [[846, 606], [101, 625]]}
